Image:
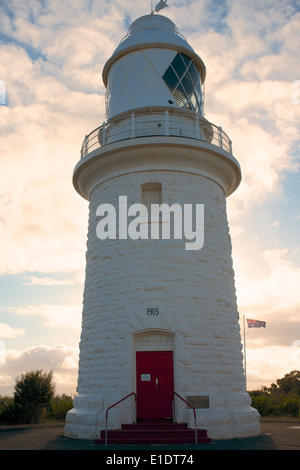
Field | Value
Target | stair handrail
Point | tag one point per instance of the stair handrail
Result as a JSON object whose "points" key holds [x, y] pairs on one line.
{"points": [[195, 415], [107, 410]]}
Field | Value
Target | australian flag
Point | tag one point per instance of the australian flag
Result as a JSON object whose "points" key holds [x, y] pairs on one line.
{"points": [[256, 324]]}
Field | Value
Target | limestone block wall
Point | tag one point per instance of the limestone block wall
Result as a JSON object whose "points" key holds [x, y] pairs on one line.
{"points": [[195, 294]]}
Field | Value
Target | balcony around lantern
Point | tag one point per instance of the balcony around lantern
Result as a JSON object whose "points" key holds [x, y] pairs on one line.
{"points": [[177, 123]]}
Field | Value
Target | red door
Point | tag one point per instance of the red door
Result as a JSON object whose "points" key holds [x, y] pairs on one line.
{"points": [[155, 384]]}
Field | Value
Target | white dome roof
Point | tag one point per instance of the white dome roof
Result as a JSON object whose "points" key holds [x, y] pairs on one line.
{"points": [[152, 22], [149, 31], [153, 29]]}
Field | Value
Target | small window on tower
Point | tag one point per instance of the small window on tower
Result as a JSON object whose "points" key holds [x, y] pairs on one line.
{"points": [[151, 194]]}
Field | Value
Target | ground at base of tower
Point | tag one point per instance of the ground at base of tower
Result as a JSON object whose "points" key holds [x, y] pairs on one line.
{"points": [[276, 434]]}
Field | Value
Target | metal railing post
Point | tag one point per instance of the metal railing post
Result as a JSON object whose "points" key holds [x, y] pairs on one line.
{"points": [[173, 411], [197, 127], [132, 126], [106, 429], [103, 134], [220, 137], [166, 124], [85, 145], [195, 419], [195, 415], [106, 414]]}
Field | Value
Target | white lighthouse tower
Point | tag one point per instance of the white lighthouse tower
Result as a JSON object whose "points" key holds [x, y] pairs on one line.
{"points": [[158, 318]]}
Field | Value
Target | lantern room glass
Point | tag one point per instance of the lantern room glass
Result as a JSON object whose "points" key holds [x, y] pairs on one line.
{"points": [[183, 80]]}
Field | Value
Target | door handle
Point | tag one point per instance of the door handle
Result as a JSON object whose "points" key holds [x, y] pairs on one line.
{"points": [[156, 384]]}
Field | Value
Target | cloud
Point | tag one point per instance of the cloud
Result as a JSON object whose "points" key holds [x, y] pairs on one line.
{"points": [[55, 95], [53, 316], [253, 106], [2, 93], [282, 326], [280, 62], [274, 224], [41, 217], [53, 101], [267, 364], [277, 289], [7, 331], [61, 359], [47, 281], [268, 290]]}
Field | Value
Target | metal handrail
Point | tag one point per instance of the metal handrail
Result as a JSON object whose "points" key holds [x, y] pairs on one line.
{"points": [[156, 123], [106, 414], [195, 416]]}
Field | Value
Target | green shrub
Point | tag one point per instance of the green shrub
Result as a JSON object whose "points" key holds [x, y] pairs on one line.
{"points": [[262, 404], [59, 406], [290, 405], [281, 398], [12, 414]]}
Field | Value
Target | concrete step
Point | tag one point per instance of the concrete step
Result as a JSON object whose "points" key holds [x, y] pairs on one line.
{"points": [[153, 433]]}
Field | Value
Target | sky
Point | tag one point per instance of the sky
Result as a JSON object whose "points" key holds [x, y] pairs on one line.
{"points": [[51, 95]]}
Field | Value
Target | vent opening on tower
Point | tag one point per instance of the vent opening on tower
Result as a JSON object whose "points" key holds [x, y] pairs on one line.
{"points": [[183, 80], [151, 194]]}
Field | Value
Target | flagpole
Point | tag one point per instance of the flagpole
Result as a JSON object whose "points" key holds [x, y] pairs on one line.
{"points": [[245, 352]]}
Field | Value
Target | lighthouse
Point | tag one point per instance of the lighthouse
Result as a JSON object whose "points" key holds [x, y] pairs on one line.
{"points": [[160, 333]]}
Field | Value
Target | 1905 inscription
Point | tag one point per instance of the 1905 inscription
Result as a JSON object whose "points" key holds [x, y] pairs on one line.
{"points": [[152, 311]]}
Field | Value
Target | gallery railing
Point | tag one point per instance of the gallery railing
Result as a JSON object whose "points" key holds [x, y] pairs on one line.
{"points": [[156, 123]]}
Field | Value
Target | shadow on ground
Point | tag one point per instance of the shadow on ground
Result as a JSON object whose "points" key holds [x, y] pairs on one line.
{"points": [[256, 443], [277, 434]]}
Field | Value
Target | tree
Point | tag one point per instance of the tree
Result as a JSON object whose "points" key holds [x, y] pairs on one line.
{"points": [[33, 392], [281, 398], [290, 383]]}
